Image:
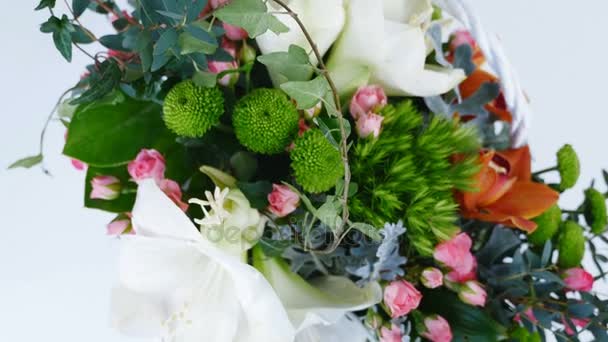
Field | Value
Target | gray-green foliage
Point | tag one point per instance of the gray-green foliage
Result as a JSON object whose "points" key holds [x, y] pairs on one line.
{"points": [[409, 173]]}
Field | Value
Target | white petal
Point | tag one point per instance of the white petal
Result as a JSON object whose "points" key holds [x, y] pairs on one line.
{"points": [[413, 12], [154, 214], [344, 330], [323, 19], [137, 314]]}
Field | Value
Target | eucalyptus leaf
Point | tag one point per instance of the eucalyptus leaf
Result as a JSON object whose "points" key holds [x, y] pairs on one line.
{"points": [[167, 40], [79, 6]]}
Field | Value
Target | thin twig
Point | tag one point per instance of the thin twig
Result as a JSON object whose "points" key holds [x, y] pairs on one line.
{"points": [[87, 32], [336, 96], [84, 51], [116, 14]]}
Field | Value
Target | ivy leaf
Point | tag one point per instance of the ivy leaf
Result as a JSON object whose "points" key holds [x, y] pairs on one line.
{"points": [[252, 16], [44, 4], [62, 34], [81, 35], [293, 65], [79, 6], [103, 83], [27, 162], [307, 94]]}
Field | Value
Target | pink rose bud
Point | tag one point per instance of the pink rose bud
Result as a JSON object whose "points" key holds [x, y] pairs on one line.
{"points": [[456, 255], [391, 335], [581, 323], [78, 165], [314, 111], [120, 226], [472, 293], [401, 297], [174, 192], [217, 67], [229, 46], [217, 3], [282, 200], [462, 37], [577, 279], [147, 164], [302, 127], [437, 329], [367, 99], [105, 188], [369, 124], [529, 313], [431, 278], [234, 32]]}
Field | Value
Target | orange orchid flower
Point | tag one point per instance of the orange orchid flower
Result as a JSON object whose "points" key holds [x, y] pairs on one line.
{"points": [[475, 80], [507, 195]]}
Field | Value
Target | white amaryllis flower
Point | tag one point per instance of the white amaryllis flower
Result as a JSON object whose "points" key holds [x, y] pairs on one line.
{"points": [[383, 42], [323, 19], [179, 286]]}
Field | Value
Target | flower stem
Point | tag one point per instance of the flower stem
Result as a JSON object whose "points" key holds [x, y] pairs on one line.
{"points": [[550, 169]]}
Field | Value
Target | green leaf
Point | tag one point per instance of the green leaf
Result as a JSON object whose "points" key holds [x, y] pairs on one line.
{"points": [[176, 16], [245, 165], [256, 193], [27, 162], [166, 41], [113, 42], [252, 16], [293, 65], [104, 82], [159, 61], [112, 134], [124, 203], [79, 6], [81, 35], [196, 39], [367, 229], [274, 248], [307, 94], [204, 79], [62, 30], [44, 4]]}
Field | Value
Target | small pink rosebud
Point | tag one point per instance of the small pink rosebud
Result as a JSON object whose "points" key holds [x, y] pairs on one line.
{"points": [[456, 255], [472, 293], [105, 188], [367, 99], [234, 32], [282, 200], [78, 165], [120, 225], [401, 297], [302, 127], [391, 335], [229, 46], [577, 279], [462, 37], [314, 111], [581, 323], [369, 124], [437, 329], [217, 3], [217, 67], [174, 192], [147, 164], [431, 278], [529, 313]]}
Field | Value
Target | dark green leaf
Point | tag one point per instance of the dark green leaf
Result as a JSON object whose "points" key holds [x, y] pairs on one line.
{"points": [[44, 4], [111, 134], [124, 203], [113, 42], [252, 16], [171, 15], [256, 193], [79, 6], [195, 9], [196, 39], [166, 41], [27, 162], [81, 35], [244, 165], [581, 310], [159, 61], [274, 248], [107, 79], [501, 241], [547, 253], [63, 43]]}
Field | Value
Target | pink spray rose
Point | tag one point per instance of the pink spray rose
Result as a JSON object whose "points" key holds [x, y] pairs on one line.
{"points": [[217, 67], [367, 99], [437, 329], [431, 278], [581, 323], [105, 188], [120, 226], [174, 192], [401, 297], [456, 254], [462, 37], [147, 164], [472, 293], [217, 3], [369, 124], [234, 32], [391, 335], [529, 313], [577, 279], [283, 201]]}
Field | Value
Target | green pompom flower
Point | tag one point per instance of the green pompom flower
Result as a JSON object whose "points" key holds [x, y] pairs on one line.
{"points": [[571, 245], [595, 211], [568, 166], [190, 110], [548, 224], [316, 163], [265, 121]]}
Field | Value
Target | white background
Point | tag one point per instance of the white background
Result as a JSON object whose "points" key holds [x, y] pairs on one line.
{"points": [[56, 265]]}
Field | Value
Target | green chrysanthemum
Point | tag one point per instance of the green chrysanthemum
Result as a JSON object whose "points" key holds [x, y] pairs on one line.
{"points": [[190, 110], [571, 245], [568, 166], [316, 163], [265, 121], [548, 224], [595, 211]]}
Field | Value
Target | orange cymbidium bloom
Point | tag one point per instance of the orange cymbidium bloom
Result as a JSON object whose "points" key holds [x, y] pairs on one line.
{"points": [[506, 193], [475, 80]]}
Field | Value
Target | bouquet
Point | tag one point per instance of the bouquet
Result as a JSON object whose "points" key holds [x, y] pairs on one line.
{"points": [[322, 170]]}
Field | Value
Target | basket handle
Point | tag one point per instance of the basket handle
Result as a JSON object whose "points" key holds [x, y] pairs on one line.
{"points": [[516, 100]]}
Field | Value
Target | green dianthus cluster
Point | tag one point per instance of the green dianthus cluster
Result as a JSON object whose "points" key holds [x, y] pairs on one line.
{"points": [[190, 110], [409, 173], [265, 121]]}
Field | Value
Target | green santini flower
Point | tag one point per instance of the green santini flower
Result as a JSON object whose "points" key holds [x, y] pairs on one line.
{"points": [[571, 245]]}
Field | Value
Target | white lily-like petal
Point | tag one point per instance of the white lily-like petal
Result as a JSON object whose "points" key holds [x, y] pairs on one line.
{"points": [[412, 12], [176, 285], [323, 19], [318, 309], [372, 49]]}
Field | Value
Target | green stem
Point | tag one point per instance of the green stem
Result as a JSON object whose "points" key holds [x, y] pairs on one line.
{"points": [[550, 169]]}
